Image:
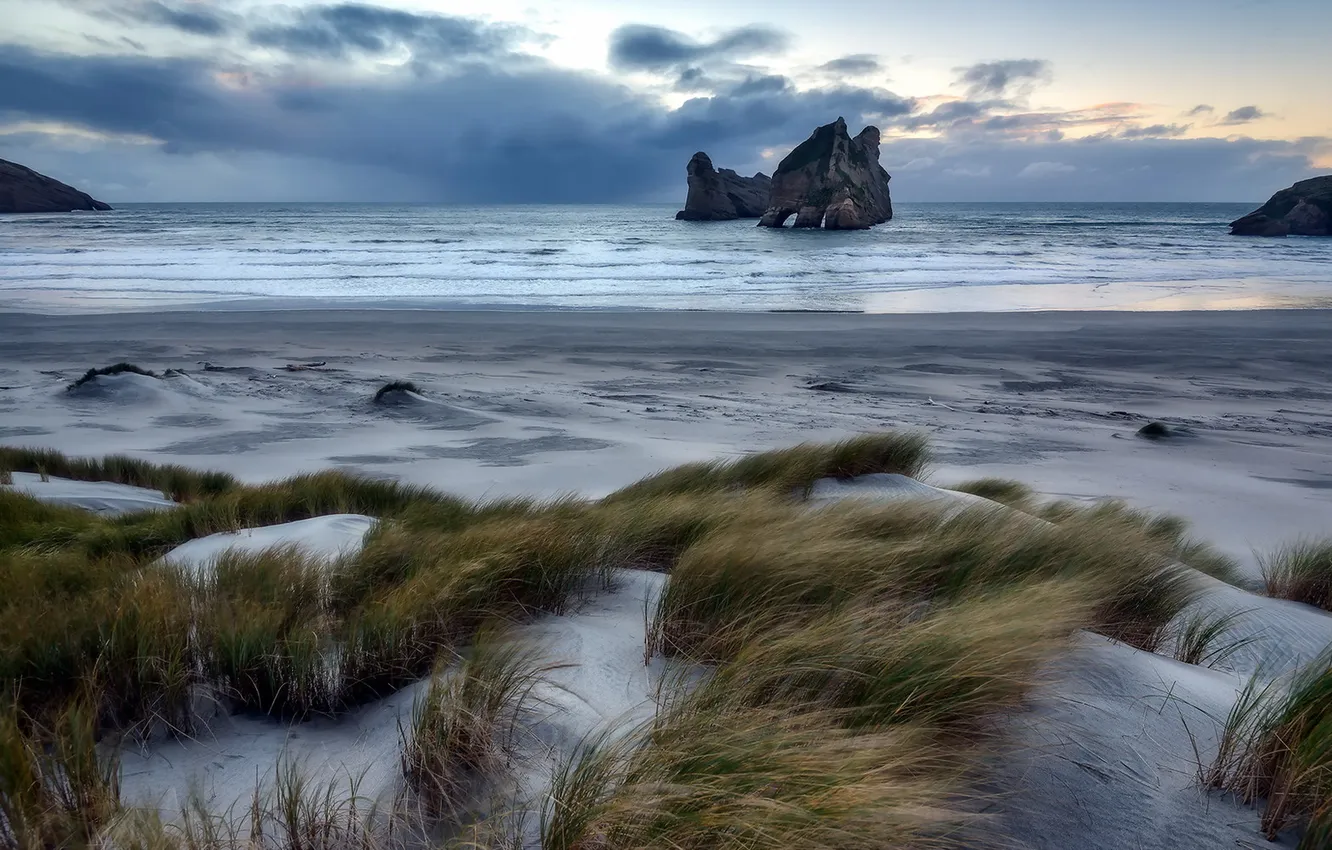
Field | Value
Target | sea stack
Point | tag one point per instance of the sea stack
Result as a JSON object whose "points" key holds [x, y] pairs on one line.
{"points": [[23, 190], [722, 195], [1304, 209], [832, 181]]}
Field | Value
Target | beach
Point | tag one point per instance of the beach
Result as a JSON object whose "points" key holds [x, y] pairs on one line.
{"points": [[540, 421], [548, 403]]}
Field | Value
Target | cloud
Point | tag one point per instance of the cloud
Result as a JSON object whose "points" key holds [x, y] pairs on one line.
{"points": [[1200, 109], [1243, 115], [854, 65], [488, 129], [1039, 170], [477, 132], [336, 31], [998, 78], [637, 47], [193, 18], [1154, 131]]}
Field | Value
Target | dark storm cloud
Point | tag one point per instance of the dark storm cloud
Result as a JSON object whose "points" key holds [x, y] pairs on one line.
{"points": [[857, 64], [1243, 115], [480, 133], [637, 47], [997, 78], [525, 131], [336, 31], [1200, 109]]}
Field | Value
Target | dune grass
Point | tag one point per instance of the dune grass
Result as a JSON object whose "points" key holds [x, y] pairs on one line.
{"points": [[1005, 491], [461, 725], [1203, 638], [181, 483], [792, 470], [115, 369], [56, 789], [861, 652], [1276, 746], [396, 387], [1301, 572], [782, 568]]}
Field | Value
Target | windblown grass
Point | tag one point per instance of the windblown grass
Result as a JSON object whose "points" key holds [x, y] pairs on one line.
{"points": [[181, 483], [462, 724], [862, 651], [1204, 637], [1301, 572], [1277, 746], [1005, 491], [396, 387], [116, 369], [792, 470], [1170, 533], [748, 578], [55, 788]]}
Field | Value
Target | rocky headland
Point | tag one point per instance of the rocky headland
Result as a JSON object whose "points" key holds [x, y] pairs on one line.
{"points": [[1304, 209], [23, 190]]}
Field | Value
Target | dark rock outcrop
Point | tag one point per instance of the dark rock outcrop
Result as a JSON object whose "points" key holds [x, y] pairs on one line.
{"points": [[722, 195], [23, 190], [1304, 209], [831, 180]]}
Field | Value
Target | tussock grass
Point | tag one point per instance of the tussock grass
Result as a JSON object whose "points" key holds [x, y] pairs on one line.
{"points": [[1203, 638], [862, 650], [792, 470], [1005, 491], [55, 788], [181, 483], [746, 579], [396, 387], [1277, 745], [115, 369], [1301, 572], [1168, 532], [461, 725]]}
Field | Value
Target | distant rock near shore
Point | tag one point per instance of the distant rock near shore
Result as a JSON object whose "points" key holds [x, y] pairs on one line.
{"points": [[831, 180], [1304, 209], [722, 195], [23, 190]]}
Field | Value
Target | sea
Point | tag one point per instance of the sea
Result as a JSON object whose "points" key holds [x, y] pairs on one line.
{"points": [[929, 258]]}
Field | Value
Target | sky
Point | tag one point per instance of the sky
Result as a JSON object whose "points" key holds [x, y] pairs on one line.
{"points": [[604, 101]]}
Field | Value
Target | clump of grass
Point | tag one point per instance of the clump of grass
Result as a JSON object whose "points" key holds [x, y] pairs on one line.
{"points": [[1277, 745], [1005, 491], [182, 483], [1301, 572], [1170, 533], [462, 723], [56, 790], [1203, 638], [745, 579], [6, 476], [792, 470], [259, 629], [116, 369], [396, 387]]}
